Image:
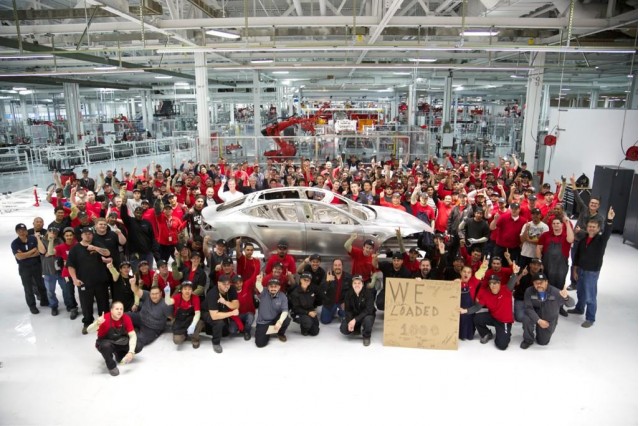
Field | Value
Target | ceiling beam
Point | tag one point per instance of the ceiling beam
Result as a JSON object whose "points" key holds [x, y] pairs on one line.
{"points": [[57, 81]]}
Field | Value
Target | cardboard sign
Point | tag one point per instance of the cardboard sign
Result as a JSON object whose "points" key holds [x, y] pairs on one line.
{"points": [[421, 314]]}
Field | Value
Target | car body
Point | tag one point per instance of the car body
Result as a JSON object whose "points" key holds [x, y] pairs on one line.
{"points": [[312, 220]]}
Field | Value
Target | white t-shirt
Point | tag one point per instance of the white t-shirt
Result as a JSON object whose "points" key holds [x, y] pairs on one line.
{"points": [[534, 231]]}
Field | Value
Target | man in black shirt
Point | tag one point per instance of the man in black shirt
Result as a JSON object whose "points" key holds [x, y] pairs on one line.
{"points": [[86, 264], [221, 305], [141, 243], [305, 298], [394, 269], [359, 311], [25, 250]]}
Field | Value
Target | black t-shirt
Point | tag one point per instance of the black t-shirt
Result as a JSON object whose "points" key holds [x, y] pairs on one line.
{"points": [[88, 265], [109, 241], [213, 295]]}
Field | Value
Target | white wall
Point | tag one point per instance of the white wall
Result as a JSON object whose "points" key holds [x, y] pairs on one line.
{"points": [[591, 137]]}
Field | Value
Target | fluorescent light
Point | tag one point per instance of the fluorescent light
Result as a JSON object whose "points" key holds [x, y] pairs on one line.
{"points": [[164, 77], [58, 73], [401, 73], [629, 75], [517, 76], [459, 88], [223, 34], [106, 68], [27, 57], [25, 92], [564, 89], [19, 89], [280, 72], [423, 60], [261, 61], [472, 33], [181, 83]]}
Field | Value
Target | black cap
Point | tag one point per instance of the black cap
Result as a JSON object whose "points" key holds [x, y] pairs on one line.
{"points": [[136, 190], [82, 214], [535, 260], [495, 193], [274, 281], [314, 256], [53, 228], [144, 201], [227, 261], [189, 283], [514, 205], [494, 278], [536, 211], [414, 250], [539, 277], [86, 229], [305, 275], [171, 195], [196, 253], [532, 197], [221, 241], [237, 278], [125, 263], [397, 255], [143, 262], [278, 265], [112, 214], [369, 243], [458, 257], [283, 243], [21, 226], [161, 263], [224, 278]]}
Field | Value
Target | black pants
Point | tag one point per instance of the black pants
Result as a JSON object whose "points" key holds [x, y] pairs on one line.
{"points": [[108, 349], [503, 330], [166, 252], [366, 324], [88, 292], [380, 300], [219, 328], [262, 338], [308, 325], [542, 335], [145, 335], [31, 277]]}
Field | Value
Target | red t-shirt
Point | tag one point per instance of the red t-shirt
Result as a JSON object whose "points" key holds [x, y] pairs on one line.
{"points": [[443, 216], [62, 251], [125, 321], [245, 299], [426, 209], [361, 264], [509, 230], [180, 303], [289, 263], [162, 282], [548, 238], [247, 268], [147, 279], [500, 305]]}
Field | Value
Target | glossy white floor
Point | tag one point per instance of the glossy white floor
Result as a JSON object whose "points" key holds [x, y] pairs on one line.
{"points": [[52, 375]]}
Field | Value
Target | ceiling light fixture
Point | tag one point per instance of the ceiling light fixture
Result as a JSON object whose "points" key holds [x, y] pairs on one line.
{"points": [[423, 60], [223, 34], [163, 77], [19, 89], [280, 72], [471, 33], [107, 68], [401, 73], [261, 61], [27, 57], [59, 73]]}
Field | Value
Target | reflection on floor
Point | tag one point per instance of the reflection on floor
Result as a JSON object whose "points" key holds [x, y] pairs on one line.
{"points": [[52, 375]]}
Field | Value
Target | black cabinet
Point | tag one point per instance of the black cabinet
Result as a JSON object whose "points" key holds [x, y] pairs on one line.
{"points": [[631, 222], [612, 185]]}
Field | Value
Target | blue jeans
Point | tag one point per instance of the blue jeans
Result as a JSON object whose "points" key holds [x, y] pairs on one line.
{"points": [[587, 293], [326, 314], [68, 296], [247, 320], [518, 310]]}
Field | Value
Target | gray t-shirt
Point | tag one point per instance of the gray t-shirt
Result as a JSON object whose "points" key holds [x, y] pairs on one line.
{"points": [[154, 315], [271, 307]]}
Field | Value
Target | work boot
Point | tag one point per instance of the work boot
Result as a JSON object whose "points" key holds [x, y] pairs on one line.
{"points": [[525, 344], [54, 312], [282, 338], [114, 371], [587, 324], [486, 338], [366, 341], [34, 310], [217, 349], [575, 311], [74, 314]]}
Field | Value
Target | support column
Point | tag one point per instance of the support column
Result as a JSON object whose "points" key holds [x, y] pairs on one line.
{"points": [[23, 109], [72, 105], [147, 109], [232, 113], [412, 105], [257, 89], [202, 100], [595, 96], [632, 96], [531, 123], [446, 103]]}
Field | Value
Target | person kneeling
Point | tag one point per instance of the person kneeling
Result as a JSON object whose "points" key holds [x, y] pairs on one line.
{"points": [[360, 312], [273, 311], [116, 337], [305, 298], [186, 311], [222, 304], [542, 305]]}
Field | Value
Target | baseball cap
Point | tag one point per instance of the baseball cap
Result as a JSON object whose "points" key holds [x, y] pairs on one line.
{"points": [[224, 278], [227, 261], [274, 281], [283, 243], [278, 265], [21, 226], [536, 211], [86, 229], [53, 228], [501, 200], [494, 278], [539, 277], [413, 250], [237, 278], [136, 190], [369, 243], [397, 255], [514, 205], [161, 263], [314, 256], [68, 229], [305, 275], [189, 283], [221, 242], [535, 260]]}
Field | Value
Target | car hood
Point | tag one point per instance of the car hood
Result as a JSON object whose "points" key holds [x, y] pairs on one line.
{"points": [[408, 223]]}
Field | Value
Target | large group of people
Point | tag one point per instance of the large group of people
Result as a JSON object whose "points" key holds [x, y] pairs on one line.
{"points": [[510, 248]]}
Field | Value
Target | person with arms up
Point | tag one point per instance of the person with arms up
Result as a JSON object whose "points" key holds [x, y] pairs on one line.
{"points": [[116, 337], [587, 266], [364, 260], [542, 305], [360, 312], [273, 311]]}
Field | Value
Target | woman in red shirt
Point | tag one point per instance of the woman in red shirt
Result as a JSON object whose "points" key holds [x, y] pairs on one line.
{"points": [[116, 337]]}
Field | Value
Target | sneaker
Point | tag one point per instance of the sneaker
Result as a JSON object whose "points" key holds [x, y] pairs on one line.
{"points": [[217, 349], [114, 371], [587, 324], [575, 311], [486, 338], [282, 338], [572, 287], [563, 312], [305, 333], [366, 341], [34, 310], [84, 330], [74, 314], [195, 343], [525, 344], [247, 336], [54, 312], [44, 303]]}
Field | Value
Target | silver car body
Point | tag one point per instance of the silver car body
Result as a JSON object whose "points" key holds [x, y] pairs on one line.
{"points": [[312, 220]]}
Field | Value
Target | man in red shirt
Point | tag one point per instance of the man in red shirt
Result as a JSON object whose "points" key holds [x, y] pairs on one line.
{"points": [[364, 260], [116, 337], [442, 216], [61, 251], [282, 256], [246, 265], [508, 226], [169, 227]]}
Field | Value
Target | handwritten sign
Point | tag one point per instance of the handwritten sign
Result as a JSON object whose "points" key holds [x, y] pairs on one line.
{"points": [[421, 314]]}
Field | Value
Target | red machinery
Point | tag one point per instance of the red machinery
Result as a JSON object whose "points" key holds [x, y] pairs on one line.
{"points": [[287, 149]]}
